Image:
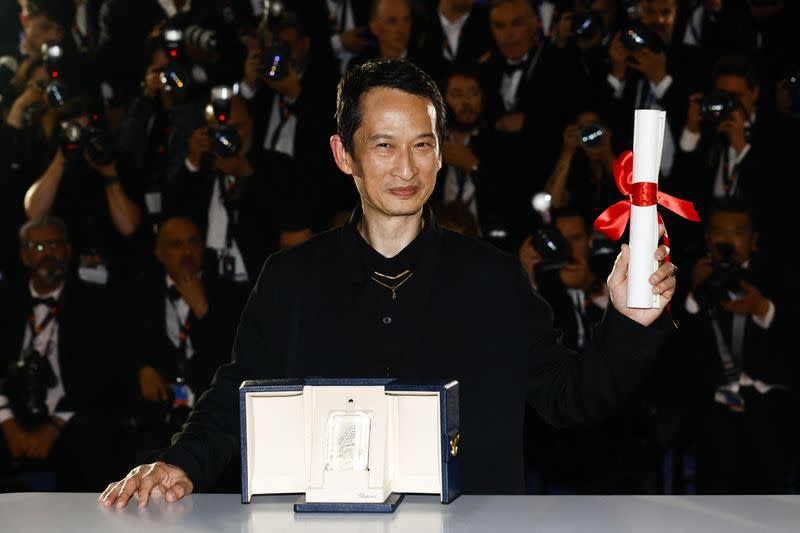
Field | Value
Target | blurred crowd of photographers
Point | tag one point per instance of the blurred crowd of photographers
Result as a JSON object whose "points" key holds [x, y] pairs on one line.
{"points": [[153, 154]]}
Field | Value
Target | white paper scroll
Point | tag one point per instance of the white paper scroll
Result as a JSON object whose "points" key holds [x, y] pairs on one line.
{"points": [[648, 138]]}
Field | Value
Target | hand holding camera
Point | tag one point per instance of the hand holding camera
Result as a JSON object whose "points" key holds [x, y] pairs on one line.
{"points": [[733, 127], [192, 291], [618, 57], [199, 144], [152, 385], [652, 65], [530, 258], [564, 29], [571, 138], [288, 85], [152, 79], [253, 67], [16, 437]]}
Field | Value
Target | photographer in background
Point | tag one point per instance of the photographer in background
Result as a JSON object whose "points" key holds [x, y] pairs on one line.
{"points": [[742, 373], [583, 176], [43, 21], [83, 185], [649, 68], [56, 359], [241, 206], [154, 136], [720, 146], [292, 105]]}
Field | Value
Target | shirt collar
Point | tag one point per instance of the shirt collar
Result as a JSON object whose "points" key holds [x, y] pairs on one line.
{"points": [[56, 294], [424, 245], [458, 24]]}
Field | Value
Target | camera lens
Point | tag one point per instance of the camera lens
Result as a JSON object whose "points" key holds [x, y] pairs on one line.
{"points": [[592, 135], [718, 106], [226, 141]]}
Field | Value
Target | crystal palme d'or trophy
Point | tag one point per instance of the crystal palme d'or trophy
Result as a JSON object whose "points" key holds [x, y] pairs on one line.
{"points": [[348, 441]]}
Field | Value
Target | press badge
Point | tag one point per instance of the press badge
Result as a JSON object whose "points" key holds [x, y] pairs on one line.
{"points": [[182, 395]]}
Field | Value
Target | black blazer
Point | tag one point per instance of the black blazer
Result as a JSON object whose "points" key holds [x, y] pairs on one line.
{"points": [[144, 320], [474, 42], [482, 325], [87, 350]]}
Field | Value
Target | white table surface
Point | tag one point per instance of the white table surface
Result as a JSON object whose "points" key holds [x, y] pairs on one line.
{"points": [[33, 512]]}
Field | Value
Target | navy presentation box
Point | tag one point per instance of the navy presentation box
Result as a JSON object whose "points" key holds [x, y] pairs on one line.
{"points": [[350, 445]]}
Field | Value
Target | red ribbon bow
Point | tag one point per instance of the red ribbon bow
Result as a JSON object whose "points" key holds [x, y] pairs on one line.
{"points": [[613, 220]]}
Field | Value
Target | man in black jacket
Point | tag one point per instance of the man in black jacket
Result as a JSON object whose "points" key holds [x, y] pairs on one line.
{"points": [[392, 294], [59, 414], [180, 325]]}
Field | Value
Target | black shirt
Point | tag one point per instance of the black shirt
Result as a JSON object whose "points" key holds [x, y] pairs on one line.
{"points": [[388, 323]]}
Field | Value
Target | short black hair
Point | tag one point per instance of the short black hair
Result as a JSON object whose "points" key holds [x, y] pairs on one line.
{"points": [[395, 73], [736, 65], [59, 11], [567, 211], [465, 70], [732, 205]]}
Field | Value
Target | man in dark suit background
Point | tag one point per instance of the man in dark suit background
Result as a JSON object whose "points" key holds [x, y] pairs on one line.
{"points": [[457, 32], [390, 293], [179, 325], [739, 366], [226, 197], [60, 417]]}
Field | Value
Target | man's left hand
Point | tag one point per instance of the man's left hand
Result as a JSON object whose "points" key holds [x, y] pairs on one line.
{"points": [[753, 303], [662, 280], [192, 291], [734, 129]]}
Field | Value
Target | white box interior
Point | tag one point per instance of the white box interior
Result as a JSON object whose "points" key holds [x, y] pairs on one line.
{"points": [[287, 434]]}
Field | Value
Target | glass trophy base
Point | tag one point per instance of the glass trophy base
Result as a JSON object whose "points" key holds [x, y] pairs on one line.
{"points": [[387, 506]]}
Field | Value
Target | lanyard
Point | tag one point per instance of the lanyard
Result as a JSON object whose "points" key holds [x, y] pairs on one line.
{"points": [[37, 330], [285, 113], [728, 353], [183, 341]]}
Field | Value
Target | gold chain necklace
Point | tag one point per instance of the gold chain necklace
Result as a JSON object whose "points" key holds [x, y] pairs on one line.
{"points": [[392, 288]]}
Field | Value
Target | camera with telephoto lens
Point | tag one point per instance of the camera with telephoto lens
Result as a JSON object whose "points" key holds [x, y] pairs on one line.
{"points": [[56, 89], [225, 140], [26, 387], [94, 138], [637, 37], [547, 239], [199, 37], [717, 106], [592, 135], [175, 76], [726, 277], [276, 57]]}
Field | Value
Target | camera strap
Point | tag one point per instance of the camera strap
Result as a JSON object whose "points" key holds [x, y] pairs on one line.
{"points": [[728, 174], [227, 185], [730, 354], [37, 329]]}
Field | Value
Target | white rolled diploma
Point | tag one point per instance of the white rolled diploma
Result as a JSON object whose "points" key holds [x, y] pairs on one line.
{"points": [[648, 138]]}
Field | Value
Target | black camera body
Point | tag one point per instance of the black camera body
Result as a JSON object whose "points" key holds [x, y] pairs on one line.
{"points": [[586, 25], [175, 76], [592, 135], [726, 277], [553, 247], [717, 106], [637, 36], [56, 89], [225, 140], [94, 139], [26, 388]]}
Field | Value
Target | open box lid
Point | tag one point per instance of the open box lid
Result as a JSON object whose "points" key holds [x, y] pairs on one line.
{"points": [[413, 438]]}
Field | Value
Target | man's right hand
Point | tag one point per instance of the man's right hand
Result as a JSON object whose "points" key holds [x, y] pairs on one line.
{"points": [[618, 57], [570, 139], [253, 66], [199, 144], [529, 258], [152, 385], [16, 437], [693, 117], [143, 480]]}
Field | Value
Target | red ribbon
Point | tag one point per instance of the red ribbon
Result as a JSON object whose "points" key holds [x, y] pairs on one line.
{"points": [[612, 221]]}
